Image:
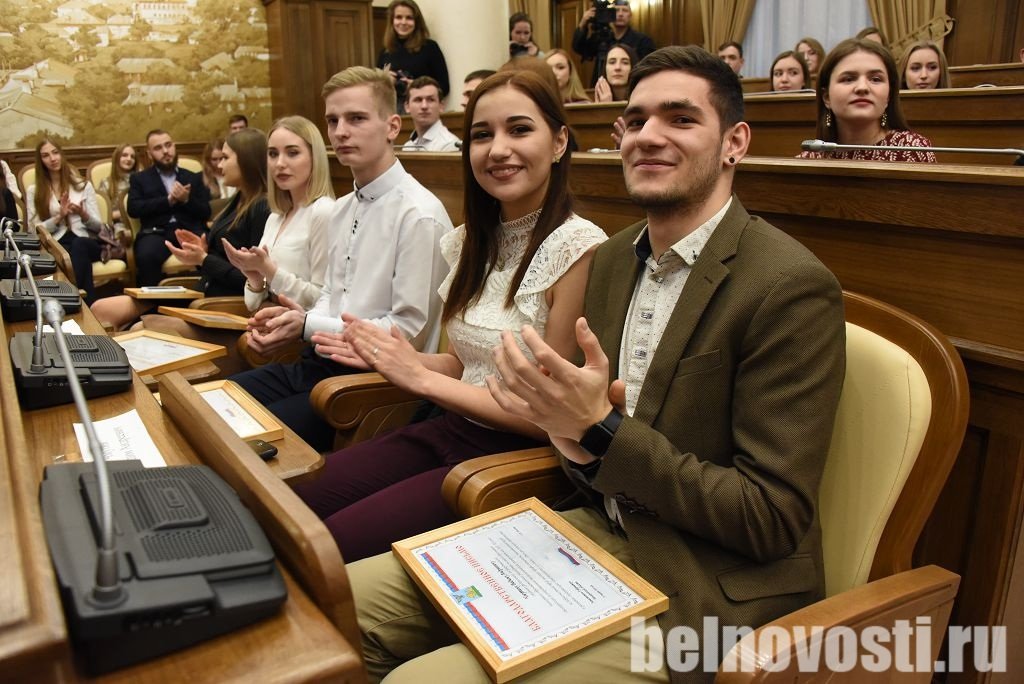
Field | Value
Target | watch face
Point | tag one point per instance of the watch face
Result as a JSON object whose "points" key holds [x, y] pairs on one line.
{"points": [[598, 438]]}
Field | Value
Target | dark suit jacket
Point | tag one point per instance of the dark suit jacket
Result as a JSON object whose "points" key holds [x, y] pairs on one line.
{"points": [[219, 278], [147, 201], [716, 474]]}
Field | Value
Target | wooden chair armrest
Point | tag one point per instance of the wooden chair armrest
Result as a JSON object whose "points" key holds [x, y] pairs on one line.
{"points": [[190, 282], [231, 305], [255, 359], [488, 482], [927, 591], [361, 405]]}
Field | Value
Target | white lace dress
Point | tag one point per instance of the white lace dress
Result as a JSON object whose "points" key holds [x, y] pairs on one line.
{"points": [[473, 335]]}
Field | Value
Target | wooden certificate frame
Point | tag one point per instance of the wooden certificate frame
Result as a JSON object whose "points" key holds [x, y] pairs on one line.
{"points": [[437, 559], [185, 352], [184, 293], [206, 318], [270, 429]]}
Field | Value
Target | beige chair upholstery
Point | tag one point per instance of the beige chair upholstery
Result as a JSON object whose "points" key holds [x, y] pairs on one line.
{"points": [[98, 170], [114, 269], [26, 178], [191, 164], [171, 266]]}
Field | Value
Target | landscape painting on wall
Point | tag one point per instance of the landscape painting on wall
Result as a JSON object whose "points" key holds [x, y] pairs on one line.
{"points": [[102, 72]]}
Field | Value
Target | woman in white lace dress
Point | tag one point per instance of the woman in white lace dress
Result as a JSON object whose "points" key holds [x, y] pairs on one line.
{"points": [[521, 258]]}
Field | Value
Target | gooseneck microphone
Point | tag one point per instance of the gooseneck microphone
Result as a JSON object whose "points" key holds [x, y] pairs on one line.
{"points": [[9, 238], [38, 364], [822, 146], [108, 582]]}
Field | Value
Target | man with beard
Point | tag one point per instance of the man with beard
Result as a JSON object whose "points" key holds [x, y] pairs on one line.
{"points": [[165, 198], [700, 447]]}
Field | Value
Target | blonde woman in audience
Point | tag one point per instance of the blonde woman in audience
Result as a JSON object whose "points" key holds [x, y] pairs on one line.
{"points": [[813, 52], [291, 258], [521, 259], [858, 99], [123, 163], [239, 223], [789, 72], [64, 204], [614, 84], [923, 67], [569, 83]]}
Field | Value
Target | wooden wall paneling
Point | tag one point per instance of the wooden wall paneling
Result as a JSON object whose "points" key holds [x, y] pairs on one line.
{"points": [[567, 18], [1009, 74], [985, 32], [309, 41]]}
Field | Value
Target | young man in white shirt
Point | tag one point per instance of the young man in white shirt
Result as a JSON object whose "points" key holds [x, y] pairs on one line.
{"points": [[385, 263], [424, 104]]}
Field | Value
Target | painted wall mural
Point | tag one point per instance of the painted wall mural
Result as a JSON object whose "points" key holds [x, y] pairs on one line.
{"points": [[102, 72]]}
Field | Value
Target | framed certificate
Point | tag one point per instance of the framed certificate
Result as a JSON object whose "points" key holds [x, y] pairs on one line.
{"points": [[523, 587], [240, 411], [152, 353], [206, 318]]}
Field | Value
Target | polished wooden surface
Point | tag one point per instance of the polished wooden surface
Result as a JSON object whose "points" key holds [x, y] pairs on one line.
{"points": [[298, 644], [943, 242]]}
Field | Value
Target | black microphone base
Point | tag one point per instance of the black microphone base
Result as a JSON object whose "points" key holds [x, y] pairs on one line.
{"points": [[19, 305], [193, 562], [42, 264], [101, 364], [26, 241]]}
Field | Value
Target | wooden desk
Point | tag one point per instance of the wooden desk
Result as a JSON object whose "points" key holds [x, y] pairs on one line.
{"points": [[298, 644], [943, 242], [956, 117]]}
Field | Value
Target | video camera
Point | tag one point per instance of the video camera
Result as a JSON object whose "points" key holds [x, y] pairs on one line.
{"points": [[604, 12]]}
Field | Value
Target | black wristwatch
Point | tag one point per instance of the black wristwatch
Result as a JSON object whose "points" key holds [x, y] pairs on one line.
{"points": [[598, 437]]}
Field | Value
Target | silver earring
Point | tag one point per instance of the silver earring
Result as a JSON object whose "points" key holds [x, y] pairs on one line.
{"points": [[885, 118], [828, 118]]}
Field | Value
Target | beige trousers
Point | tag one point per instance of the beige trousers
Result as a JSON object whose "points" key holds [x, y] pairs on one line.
{"points": [[406, 640]]}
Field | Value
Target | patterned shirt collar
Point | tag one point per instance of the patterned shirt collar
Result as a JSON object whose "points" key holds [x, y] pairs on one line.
{"points": [[689, 247]]}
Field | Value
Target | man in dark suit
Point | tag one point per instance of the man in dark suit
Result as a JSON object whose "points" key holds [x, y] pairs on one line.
{"points": [[165, 198], [592, 39], [700, 447]]}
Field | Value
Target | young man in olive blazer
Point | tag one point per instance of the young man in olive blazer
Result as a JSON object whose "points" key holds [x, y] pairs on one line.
{"points": [[712, 474], [701, 445]]}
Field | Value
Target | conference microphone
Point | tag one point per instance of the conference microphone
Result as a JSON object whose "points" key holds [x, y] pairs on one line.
{"points": [[190, 563], [41, 375], [22, 240], [822, 146], [108, 581]]}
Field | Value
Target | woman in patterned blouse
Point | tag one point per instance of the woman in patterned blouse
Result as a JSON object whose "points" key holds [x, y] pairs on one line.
{"points": [[859, 104]]}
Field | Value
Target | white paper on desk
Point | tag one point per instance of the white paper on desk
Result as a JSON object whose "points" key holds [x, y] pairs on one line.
{"points": [[237, 418], [69, 326], [124, 438]]}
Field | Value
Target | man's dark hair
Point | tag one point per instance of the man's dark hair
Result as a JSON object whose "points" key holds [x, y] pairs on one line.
{"points": [[479, 73], [422, 82], [726, 93], [732, 43], [155, 131], [239, 117]]}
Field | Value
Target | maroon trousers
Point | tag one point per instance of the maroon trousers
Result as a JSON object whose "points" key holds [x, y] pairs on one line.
{"points": [[389, 488]]}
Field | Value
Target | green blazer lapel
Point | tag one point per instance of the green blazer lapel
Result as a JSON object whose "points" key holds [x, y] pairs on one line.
{"points": [[707, 275], [608, 318]]}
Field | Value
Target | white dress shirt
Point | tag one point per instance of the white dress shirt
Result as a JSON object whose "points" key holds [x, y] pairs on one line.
{"points": [[86, 197], [12, 182], [384, 260], [437, 138], [300, 252]]}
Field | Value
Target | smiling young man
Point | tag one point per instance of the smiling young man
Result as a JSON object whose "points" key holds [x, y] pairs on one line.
{"points": [[424, 105], [384, 258]]}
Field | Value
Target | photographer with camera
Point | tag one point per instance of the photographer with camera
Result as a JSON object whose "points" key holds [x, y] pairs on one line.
{"points": [[602, 26], [520, 36]]}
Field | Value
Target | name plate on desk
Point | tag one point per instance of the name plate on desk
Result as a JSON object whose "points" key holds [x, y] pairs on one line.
{"points": [[152, 353], [523, 587]]}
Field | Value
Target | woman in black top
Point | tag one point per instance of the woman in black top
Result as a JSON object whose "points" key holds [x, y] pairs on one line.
{"points": [[408, 50], [241, 222], [8, 209]]}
